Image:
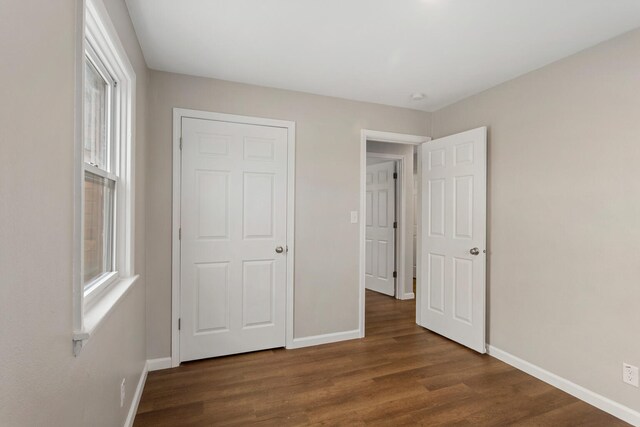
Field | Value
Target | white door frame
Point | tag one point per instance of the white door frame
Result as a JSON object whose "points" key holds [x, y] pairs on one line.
{"points": [[400, 207], [373, 135], [178, 114]]}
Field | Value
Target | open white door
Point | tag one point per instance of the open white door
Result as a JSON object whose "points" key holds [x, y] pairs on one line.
{"points": [[452, 259], [380, 232]]}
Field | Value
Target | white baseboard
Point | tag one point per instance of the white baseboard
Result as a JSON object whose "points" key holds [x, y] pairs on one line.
{"points": [[133, 409], [407, 295], [614, 408], [158, 364], [324, 339]]}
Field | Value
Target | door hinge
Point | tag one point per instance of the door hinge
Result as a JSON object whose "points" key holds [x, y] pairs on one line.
{"points": [[395, 175], [180, 143], [180, 233], [395, 224], [395, 274], [179, 324]]}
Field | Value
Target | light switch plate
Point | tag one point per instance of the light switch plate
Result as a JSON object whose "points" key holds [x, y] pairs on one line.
{"points": [[354, 217]]}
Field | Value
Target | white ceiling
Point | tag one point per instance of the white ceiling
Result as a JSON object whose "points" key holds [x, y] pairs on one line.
{"points": [[379, 51]]}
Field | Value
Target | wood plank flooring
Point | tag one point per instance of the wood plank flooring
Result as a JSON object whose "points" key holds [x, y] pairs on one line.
{"points": [[400, 374]]}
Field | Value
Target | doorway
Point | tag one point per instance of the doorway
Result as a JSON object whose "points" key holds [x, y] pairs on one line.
{"points": [[451, 233], [398, 149]]}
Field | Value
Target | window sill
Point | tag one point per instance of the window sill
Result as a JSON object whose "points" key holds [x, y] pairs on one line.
{"points": [[98, 311], [98, 288]]}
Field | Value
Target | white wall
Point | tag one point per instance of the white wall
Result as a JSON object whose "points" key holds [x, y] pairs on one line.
{"points": [[406, 151], [327, 189], [564, 214], [42, 383]]}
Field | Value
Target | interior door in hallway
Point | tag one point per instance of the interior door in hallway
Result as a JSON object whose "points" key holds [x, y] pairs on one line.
{"points": [[452, 259], [233, 238], [380, 232]]}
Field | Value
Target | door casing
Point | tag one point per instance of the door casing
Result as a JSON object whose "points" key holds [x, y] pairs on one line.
{"points": [[373, 135], [178, 115]]}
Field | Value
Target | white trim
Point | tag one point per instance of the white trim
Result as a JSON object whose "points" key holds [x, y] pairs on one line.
{"points": [[394, 138], [103, 38], [78, 175], [100, 309], [324, 339], [102, 173], [135, 402], [291, 193], [604, 403], [149, 366], [408, 295], [175, 239], [401, 208], [372, 135], [418, 239], [178, 114], [97, 30], [159, 364], [97, 288]]}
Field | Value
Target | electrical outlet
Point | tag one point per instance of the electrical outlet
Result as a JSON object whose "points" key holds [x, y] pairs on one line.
{"points": [[630, 374], [122, 393]]}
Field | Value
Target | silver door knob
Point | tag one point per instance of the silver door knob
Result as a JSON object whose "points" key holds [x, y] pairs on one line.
{"points": [[279, 249], [474, 251]]}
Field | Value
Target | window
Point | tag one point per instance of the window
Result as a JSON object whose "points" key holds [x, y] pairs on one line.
{"points": [[100, 175], [104, 229]]}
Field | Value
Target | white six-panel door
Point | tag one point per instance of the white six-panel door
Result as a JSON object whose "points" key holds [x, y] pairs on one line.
{"points": [[380, 234], [233, 224], [453, 237]]}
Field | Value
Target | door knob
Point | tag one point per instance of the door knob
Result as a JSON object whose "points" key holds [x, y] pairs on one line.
{"points": [[279, 249], [474, 251]]}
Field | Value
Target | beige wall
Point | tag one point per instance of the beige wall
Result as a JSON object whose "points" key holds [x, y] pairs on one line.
{"points": [[327, 181], [42, 383], [406, 151], [564, 214]]}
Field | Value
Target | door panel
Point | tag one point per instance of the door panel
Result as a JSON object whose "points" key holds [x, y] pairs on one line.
{"points": [[233, 216], [212, 282], [380, 233], [435, 283], [258, 206], [452, 225], [213, 204], [258, 289], [436, 207]]}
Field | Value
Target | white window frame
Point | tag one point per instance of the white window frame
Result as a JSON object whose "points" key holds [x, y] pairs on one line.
{"points": [[98, 285], [98, 39]]}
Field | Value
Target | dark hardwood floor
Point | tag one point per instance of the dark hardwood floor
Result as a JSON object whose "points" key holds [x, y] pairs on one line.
{"points": [[400, 374]]}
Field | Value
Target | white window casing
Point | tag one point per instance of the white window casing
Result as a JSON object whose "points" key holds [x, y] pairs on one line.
{"points": [[99, 41]]}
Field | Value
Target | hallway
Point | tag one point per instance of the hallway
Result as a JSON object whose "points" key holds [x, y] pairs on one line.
{"points": [[400, 374]]}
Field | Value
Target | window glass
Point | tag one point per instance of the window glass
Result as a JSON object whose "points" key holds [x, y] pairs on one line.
{"points": [[99, 206], [96, 118]]}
